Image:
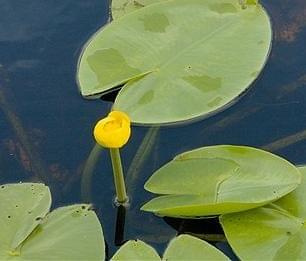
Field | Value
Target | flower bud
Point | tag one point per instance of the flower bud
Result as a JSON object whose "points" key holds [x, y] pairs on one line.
{"points": [[113, 131]]}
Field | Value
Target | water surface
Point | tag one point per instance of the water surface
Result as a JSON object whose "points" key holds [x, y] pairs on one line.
{"points": [[46, 126]]}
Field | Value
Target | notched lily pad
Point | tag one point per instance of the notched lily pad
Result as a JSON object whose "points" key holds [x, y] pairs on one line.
{"points": [[29, 232], [220, 179], [175, 69], [273, 232], [21, 206]]}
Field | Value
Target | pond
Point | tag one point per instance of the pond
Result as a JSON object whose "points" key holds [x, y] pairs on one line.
{"points": [[46, 127]]}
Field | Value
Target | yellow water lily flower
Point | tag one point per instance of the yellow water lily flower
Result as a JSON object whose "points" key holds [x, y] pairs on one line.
{"points": [[113, 131]]}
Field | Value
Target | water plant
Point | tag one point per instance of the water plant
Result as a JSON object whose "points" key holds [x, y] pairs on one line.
{"points": [[182, 247], [220, 179], [30, 232], [276, 231], [169, 71], [113, 132]]}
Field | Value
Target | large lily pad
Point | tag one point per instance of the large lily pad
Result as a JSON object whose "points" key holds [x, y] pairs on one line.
{"points": [[183, 247], [177, 60], [122, 7], [67, 233], [220, 179], [273, 232]]}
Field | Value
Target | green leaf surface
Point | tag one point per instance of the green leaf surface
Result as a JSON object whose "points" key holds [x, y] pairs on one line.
{"points": [[177, 60], [185, 247], [252, 2], [273, 232], [67, 233], [21, 207], [135, 250], [122, 7], [220, 179]]}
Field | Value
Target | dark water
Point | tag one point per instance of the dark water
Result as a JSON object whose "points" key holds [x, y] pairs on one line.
{"points": [[45, 125]]}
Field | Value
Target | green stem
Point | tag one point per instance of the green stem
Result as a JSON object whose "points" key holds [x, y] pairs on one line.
{"points": [[118, 176], [140, 158], [88, 171]]}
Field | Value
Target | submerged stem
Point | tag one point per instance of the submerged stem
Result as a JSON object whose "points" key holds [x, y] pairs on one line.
{"points": [[142, 155], [87, 173], [37, 164], [118, 176]]}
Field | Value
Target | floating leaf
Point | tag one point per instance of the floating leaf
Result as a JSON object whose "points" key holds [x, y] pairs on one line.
{"points": [[220, 179], [183, 247], [122, 7], [21, 208], [177, 60], [136, 250], [273, 232], [186, 247], [67, 233]]}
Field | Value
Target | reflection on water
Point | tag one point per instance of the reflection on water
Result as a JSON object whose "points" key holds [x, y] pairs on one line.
{"points": [[46, 125]]}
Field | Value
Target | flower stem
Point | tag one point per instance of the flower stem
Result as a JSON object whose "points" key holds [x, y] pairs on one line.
{"points": [[118, 176]]}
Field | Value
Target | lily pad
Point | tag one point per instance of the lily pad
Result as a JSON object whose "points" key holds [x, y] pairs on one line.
{"points": [[136, 250], [220, 179], [177, 60], [21, 208], [273, 232], [67, 233], [122, 7], [183, 247]]}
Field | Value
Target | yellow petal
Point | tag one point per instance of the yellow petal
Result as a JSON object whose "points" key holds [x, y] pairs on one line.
{"points": [[113, 131], [120, 115]]}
